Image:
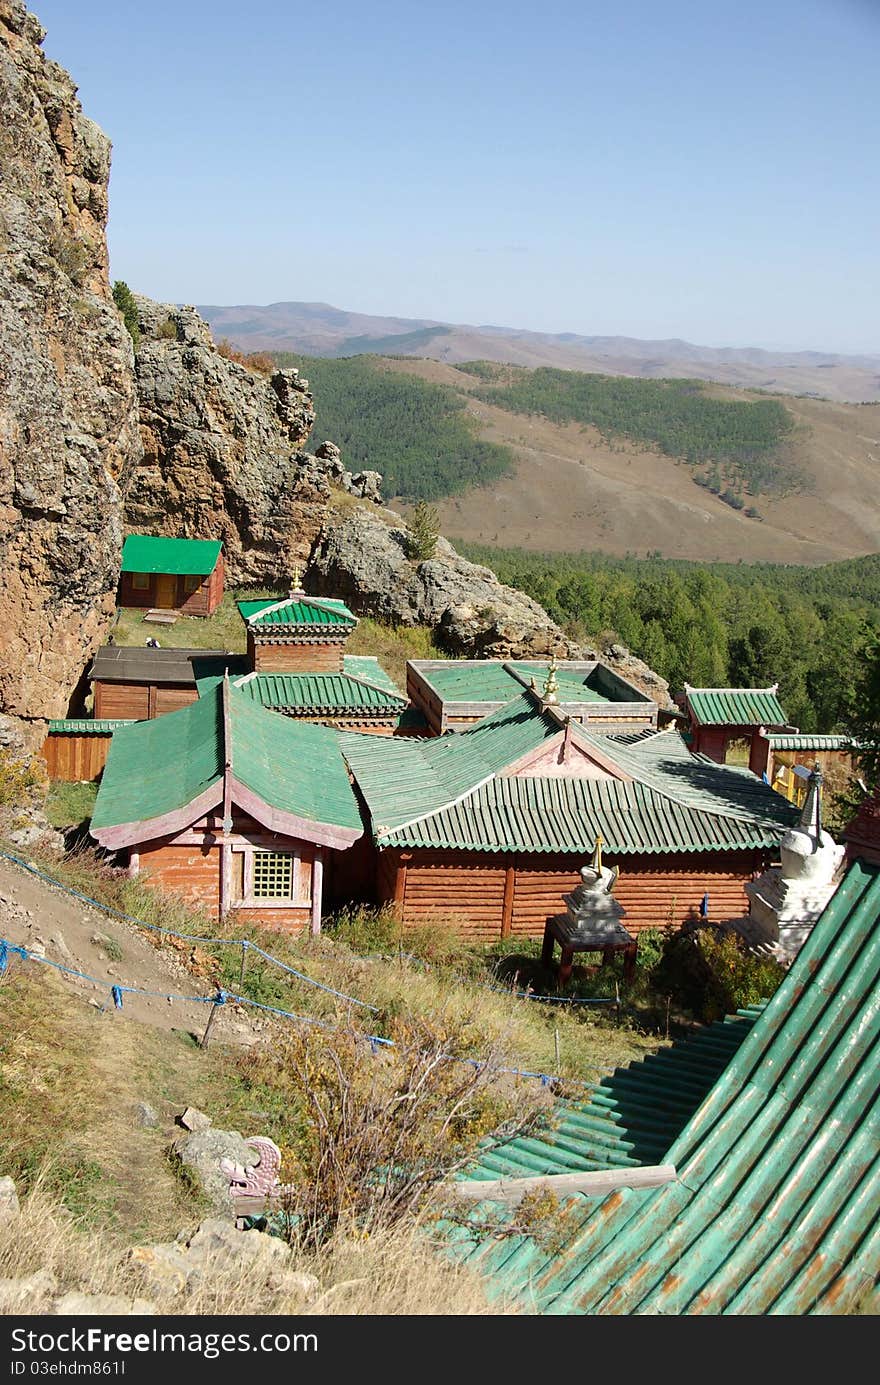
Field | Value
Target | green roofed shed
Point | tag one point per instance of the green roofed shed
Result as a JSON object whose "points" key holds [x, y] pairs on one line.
{"points": [[736, 706], [180, 557]]}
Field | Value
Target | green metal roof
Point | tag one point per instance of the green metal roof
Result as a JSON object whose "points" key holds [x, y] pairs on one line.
{"points": [[208, 670], [776, 1206], [565, 815], [444, 792], [367, 666], [321, 693], [404, 779], [179, 557], [311, 612], [490, 681], [86, 726], [156, 767], [736, 707], [780, 741], [629, 1118]]}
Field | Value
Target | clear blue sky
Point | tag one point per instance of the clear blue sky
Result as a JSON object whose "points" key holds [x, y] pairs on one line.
{"points": [[653, 168]]}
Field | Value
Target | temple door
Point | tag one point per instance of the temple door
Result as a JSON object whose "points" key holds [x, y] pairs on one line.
{"points": [[166, 591]]}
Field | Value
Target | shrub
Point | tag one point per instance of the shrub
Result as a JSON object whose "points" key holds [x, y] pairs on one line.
{"points": [[713, 974], [261, 361], [124, 300], [167, 330], [424, 531], [379, 1132]]}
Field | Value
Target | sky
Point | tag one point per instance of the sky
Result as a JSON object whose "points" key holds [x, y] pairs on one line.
{"points": [[615, 167]]}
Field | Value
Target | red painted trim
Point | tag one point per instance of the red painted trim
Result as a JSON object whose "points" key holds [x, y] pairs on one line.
{"points": [[168, 824], [289, 825]]}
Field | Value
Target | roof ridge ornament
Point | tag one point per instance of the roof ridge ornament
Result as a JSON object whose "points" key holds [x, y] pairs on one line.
{"points": [[550, 696]]}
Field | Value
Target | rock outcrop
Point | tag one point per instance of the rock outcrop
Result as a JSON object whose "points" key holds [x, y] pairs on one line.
{"points": [[223, 451], [68, 412], [363, 556]]}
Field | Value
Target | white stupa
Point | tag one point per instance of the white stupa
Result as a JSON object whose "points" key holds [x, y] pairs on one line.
{"points": [[786, 901]]}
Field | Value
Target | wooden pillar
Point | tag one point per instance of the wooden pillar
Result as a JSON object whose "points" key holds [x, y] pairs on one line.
{"points": [[134, 863], [317, 890], [507, 906], [400, 882], [225, 877]]}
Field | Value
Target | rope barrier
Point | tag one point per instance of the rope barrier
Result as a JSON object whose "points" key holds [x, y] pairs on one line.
{"points": [[221, 997], [244, 943]]}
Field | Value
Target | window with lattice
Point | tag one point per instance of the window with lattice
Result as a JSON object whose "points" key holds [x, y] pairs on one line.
{"points": [[273, 875]]}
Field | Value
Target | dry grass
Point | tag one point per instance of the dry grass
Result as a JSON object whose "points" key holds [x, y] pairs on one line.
{"points": [[393, 645], [392, 1273]]}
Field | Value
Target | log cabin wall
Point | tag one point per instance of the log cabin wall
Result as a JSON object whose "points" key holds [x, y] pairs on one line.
{"points": [[486, 897], [140, 701], [201, 599], [319, 657], [75, 757]]}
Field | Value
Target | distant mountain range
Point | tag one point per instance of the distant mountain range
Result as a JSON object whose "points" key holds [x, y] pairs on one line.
{"points": [[318, 329]]}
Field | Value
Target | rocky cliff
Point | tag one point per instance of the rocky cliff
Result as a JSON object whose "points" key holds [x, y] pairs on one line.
{"points": [[68, 413]]}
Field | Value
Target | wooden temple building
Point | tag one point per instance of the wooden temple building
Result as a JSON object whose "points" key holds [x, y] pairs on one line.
{"points": [[184, 575], [719, 716], [236, 809], [455, 693], [487, 829]]}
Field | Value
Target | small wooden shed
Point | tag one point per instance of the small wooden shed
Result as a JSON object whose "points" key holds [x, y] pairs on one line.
{"points": [[719, 716], [183, 575], [236, 809], [133, 682]]}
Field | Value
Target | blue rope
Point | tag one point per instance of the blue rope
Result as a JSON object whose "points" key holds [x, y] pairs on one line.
{"points": [[243, 943]]}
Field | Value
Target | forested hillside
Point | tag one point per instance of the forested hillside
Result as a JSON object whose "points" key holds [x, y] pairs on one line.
{"points": [[718, 624], [735, 446], [418, 434]]}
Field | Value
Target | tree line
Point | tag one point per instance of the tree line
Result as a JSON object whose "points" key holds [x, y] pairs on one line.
{"points": [[735, 445], [812, 630]]}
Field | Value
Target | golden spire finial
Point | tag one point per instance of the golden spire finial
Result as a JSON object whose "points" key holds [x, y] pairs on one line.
{"points": [[295, 580], [596, 862]]}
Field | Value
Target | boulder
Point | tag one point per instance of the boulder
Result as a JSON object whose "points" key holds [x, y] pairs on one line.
{"points": [[195, 1120], [201, 1153], [78, 1304], [29, 1294]]}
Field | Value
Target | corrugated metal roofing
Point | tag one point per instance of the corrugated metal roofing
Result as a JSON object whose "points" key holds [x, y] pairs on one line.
{"points": [[155, 767], [86, 726], [114, 663], [776, 1207], [490, 681], [367, 666], [309, 612], [736, 707], [406, 778], [179, 557], [629, 1118], [438, 793], [321, 693], [779, 741], [565, 815]]}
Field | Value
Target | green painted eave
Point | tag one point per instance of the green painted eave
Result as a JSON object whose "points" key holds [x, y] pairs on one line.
{"points": [[775, 1210], [781, 741], [312, 613], [321, 694], [177, 557], [736, 707], [87, 726]]}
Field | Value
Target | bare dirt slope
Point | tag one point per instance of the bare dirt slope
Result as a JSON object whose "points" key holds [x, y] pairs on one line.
{"points": [[573, 490], [35, 915]]}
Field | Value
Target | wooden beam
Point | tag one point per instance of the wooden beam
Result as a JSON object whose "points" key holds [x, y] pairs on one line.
{"points": [[507, 905], [317, 889], [509, 1191]]}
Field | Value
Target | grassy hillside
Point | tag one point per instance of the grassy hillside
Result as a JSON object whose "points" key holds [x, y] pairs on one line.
{"points": [[735, 444], [717, 624], [417, 434]]}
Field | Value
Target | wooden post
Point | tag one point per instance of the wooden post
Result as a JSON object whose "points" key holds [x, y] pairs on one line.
{"points": [[207, 1034], [507, 906], [317, 890], [244, 952]]}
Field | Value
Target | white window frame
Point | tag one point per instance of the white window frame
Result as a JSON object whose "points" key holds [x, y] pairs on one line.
{"points": [[251, 901]]}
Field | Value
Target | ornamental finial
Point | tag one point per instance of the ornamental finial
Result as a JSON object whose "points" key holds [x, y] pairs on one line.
{"points": [[551, 686]]}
